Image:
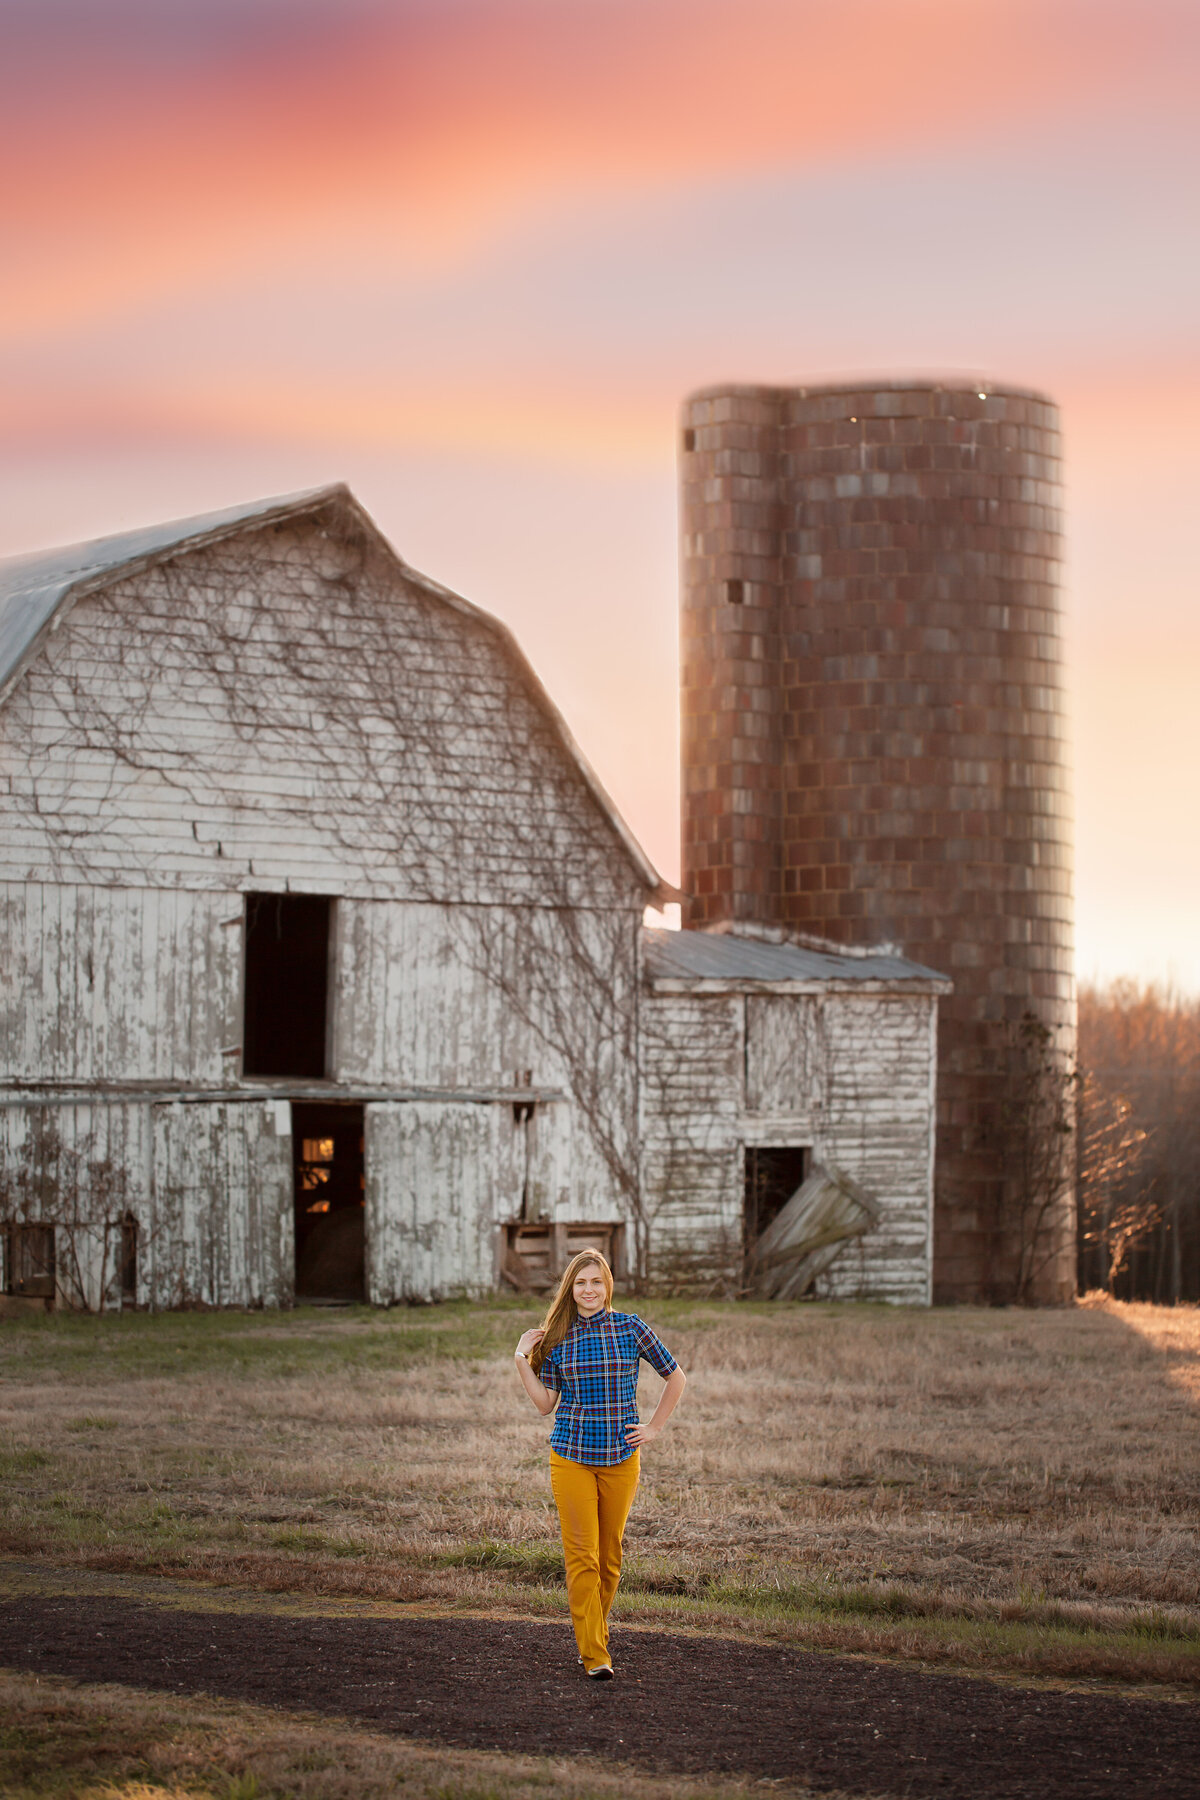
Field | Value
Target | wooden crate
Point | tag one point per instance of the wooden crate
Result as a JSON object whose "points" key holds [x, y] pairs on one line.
{"points": [[531, 1258]]}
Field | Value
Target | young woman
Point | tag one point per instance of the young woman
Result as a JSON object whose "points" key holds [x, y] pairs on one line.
{"points": [[584, 1360]]}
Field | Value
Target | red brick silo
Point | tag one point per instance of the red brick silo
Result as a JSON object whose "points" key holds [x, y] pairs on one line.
{"points": [[873, 728]]}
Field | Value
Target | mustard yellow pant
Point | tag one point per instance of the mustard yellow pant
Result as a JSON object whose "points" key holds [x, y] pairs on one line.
{"points": [[593, 1505]]}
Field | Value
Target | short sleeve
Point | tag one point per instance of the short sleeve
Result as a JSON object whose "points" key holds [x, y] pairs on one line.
{"points": [[652, 1349], [550, 1373]]}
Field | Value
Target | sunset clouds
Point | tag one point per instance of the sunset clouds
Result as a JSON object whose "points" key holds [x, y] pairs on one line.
{"points": [[461, 250], [160, 140]]}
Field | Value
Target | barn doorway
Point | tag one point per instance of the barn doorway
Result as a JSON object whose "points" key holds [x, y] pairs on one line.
{"points": [[286, 984], [330, 1167], [773, 1173]]}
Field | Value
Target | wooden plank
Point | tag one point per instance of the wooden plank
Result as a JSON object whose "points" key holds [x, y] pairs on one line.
{"points": [[533, 1256], [218, 1171], [431, 1210], [786, 1057], [809, 1231], [76, 1169]]}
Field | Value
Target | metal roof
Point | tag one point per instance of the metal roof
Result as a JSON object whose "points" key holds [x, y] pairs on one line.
{"points": [[732, 961], [34, 589], [37, 592]]}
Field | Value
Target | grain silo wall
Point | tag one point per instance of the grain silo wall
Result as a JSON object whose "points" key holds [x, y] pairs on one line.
{"points": [[874, 734]]}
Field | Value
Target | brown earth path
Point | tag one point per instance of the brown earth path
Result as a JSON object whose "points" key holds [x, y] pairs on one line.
{"points": [[681, 1703]]}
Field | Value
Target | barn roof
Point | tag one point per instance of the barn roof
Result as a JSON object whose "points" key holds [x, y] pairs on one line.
{"points": [[37, 592], [722, 960]]}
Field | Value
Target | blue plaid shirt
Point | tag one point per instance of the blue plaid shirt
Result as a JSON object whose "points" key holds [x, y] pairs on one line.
{"points": [[595, 1369]]}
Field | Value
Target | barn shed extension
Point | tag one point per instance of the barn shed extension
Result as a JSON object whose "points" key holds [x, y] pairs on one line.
{"points": [[324, 974], [767, 1058]]}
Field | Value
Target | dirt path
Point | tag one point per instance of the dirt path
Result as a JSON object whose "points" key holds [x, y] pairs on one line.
{"points": [[680, 1703]]}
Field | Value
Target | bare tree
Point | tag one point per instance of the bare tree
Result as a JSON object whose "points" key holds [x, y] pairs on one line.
{"points": [[1118, 1207], [1140, 1046]]}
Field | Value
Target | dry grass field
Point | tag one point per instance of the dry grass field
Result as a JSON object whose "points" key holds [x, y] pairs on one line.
{"points": [[997, 1489], [63, 1742]]}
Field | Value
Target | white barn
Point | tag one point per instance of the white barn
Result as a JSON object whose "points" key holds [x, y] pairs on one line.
{"points": [[323, 965]]}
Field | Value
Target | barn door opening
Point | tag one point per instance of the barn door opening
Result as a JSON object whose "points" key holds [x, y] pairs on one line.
{"points": [[29, 1261], [286, 984], [330, 1202], [773, 1173]]}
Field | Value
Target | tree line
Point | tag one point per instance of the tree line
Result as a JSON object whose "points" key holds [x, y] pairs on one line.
{"points": [[1137, 1142]]}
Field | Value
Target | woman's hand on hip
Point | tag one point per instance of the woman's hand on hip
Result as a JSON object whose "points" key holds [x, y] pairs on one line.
{"points": [[637, 1435], [530, 1339]]}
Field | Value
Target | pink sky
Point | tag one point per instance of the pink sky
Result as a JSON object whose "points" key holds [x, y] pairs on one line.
{"points": [[469, 255]]}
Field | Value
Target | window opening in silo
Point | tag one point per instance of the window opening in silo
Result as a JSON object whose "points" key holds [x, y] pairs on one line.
{"points": [[735, 593], [689, 439], [286, 984]]}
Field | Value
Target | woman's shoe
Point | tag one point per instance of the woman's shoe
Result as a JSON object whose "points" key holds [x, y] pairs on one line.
{"points": [[602, 1673]]}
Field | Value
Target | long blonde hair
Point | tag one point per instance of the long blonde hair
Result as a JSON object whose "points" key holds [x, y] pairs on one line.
{"points": [[562, 1312]]}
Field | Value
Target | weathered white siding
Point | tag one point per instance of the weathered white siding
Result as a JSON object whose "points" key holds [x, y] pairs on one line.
{"points": [[209, 1186], [849, 1075], [119, 983], [115, 987], [284, 709], [423, 995], [692, 1056], [82, 1169], [787, 1062], [436, 1181], [124, 984], [878, 1128], [220, 1224]]}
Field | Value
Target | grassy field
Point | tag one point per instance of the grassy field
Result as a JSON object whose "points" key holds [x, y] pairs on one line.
{"points": [[1003, 1490]]}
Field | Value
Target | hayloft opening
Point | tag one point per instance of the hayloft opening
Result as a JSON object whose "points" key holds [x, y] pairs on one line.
{"points": [[329, 1164], [287, 984], [735, 592], [689, 439], [773, 1173]]}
